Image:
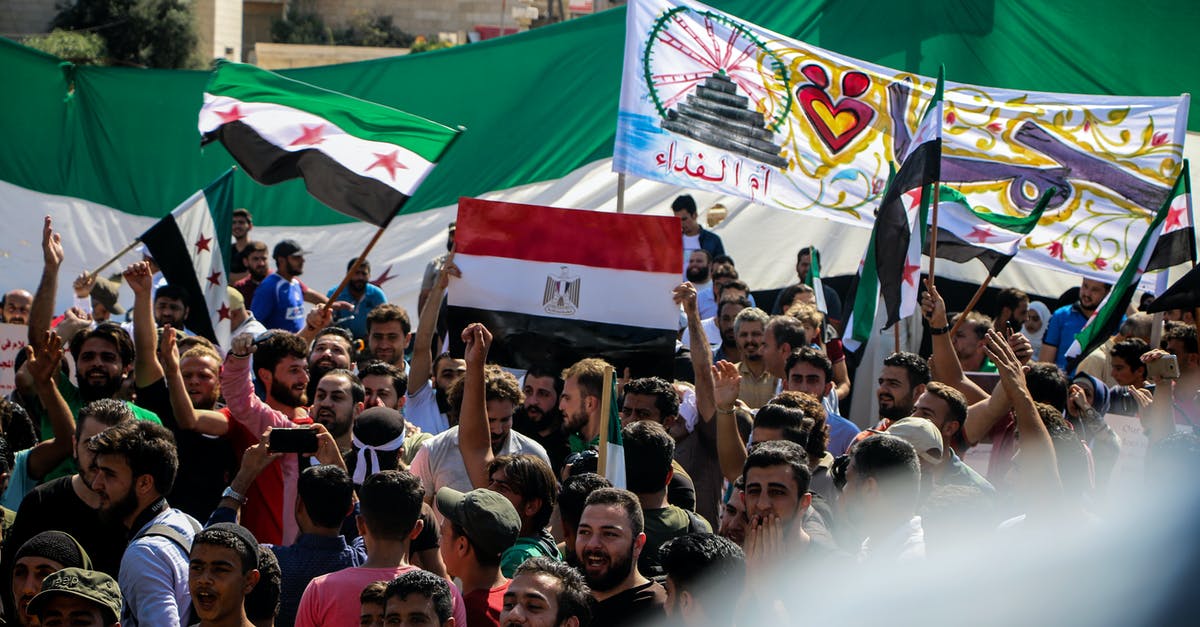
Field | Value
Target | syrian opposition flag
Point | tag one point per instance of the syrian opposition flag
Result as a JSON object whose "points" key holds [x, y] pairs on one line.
{"points": [[900, 223], [1178, 241], [191, 247], [864, 298], [814, 279], [557, 285], [360, 158], [1107, 318], [614, 445], [965, 233]]}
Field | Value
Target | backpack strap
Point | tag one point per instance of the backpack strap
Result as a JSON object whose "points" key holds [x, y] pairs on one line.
{"points": [[174, 535]]}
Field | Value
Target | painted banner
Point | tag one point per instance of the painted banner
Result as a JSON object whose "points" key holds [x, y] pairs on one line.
{"points": [[711, 102], [12, 341]]}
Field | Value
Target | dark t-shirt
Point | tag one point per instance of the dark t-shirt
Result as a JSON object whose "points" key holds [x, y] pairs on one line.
{"points": [[206, 464], [636, 606]]}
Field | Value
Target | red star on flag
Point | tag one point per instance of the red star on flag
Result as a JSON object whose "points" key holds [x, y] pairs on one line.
{"points": [[1175, 217], [391, 163], [215, 278], [309, 135], [914, 197], [383, 278], [232, 115], [223, 313], [202, 243], [910, 271], [981, 235]]}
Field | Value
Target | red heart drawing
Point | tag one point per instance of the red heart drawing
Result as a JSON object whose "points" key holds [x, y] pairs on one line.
{"points": [[836, 125]]}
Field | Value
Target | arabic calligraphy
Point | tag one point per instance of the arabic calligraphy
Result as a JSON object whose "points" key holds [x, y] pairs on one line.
{"points": [[751, 178]]}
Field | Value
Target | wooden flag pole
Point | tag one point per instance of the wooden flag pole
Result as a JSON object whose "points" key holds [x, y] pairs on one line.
{"points": [[620, 194], [933, 230], [358, 262], [896, 337], [606, 401], [134, 244], [970, 306]]}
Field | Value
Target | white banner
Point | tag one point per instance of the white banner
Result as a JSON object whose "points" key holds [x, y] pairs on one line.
{"points": [[713, 103], [13, 338]]}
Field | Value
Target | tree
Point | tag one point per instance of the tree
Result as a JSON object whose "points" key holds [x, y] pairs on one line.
{"points": [[78, 48], [150, 33], [300, 26]]}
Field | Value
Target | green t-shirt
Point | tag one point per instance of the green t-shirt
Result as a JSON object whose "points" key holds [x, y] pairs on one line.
{"points": [[525, 548], [662, 525]]}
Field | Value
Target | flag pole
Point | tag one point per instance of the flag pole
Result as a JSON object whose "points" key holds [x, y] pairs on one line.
{"points": [[621, 193], [970, 306], [606, 401], [896, 337], [933, 231], [134, 244], [358, 262]]}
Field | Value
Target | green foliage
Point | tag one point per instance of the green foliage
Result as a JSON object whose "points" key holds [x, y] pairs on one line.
{"points": [[300, 26], [373, 30], [151, 33], [79, 48], [422, 44]]}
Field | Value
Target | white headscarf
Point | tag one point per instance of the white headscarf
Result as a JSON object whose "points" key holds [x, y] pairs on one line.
{"points": [[1035, 337]]}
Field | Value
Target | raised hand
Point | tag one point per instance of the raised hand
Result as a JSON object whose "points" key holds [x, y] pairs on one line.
{"points": [[933, 308], [52, 250], [685, 295], [83, 285], [448, 270], [1020, 346], [477, 340], [43, 362], [139, 277], [168, 353], [727, 385], [1012, 374], [242, 345], [321, 316]]}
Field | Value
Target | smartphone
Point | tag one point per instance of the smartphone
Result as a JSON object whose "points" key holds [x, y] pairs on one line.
{"points": [[293, 440], [1165, 367]]}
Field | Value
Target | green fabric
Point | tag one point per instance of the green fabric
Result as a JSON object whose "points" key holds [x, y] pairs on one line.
{"points": [[540, 104], [523, 549], [360, 118], [1017, 224]]}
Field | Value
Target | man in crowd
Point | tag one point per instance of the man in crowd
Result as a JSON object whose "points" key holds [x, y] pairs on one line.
{"points": [[278, 301], [384, 384], [257, 268], [433, 269], [727, 313], [697, 269], [903, 380], [418, 598], [390, 505], [1099, 363], [41, 555], [547, 593], [776, 498], [429, 377], [694, 235], [241, 320], [529, 484], [1069, 320], [608, 545], [833, 302], [223, 569], [480, 525], [16, 306], [242, 224], [97, 296], [572, 498], [539, 417], [781, 336], [810, 371], [757, 383], [338, 401], [699, 567], [969, 340], [1011, 307], [580, 402], [360, 297], [171, 307], [332, 349], [883, 483], [135, 468], [78, 596]]}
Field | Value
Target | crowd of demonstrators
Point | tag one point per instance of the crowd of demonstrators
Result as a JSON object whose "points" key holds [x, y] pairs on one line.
{"points": [[310, 473]]}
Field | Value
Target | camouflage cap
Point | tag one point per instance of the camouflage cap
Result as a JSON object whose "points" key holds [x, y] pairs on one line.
{"points": [[88, 585]]}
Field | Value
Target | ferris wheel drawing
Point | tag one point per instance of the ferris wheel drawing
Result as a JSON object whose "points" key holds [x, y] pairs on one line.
{"points": [[713, 80]]}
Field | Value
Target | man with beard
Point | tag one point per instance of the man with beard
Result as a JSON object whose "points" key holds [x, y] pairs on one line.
{"points": [[16, 306], [485, 398], [705, 577], [727, 313], [426, 405], [969, 339], [580, 402], [722, 276], [242, 224], [388, 333], [135, 469], [1012, 307], [1069, 320], [170, 307], [781, 336], [539, 418], [758, 385], [222, 570], [359, 298], [279, 363], [608, 544], [697, 270], [337, 402], [255, 259], [332, 349], [903, 379], [278, 302]]}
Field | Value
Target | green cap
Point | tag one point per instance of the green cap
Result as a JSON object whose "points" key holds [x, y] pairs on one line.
{"points": [[88, 585], [489, 520]]}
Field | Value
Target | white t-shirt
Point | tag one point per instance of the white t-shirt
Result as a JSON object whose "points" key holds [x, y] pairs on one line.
{"points": [[690, 243], [421, 409]]}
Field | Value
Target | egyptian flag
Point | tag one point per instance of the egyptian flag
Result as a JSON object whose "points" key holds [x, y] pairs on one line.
{"points": [[965, 233], [191, 247], [360, 158], [900, 224], [1107, 318], [557, 285], [1178, 241]]}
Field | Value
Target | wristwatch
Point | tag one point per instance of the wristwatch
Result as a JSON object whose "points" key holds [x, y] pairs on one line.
{"points": [[940, 330], [229, 493]]}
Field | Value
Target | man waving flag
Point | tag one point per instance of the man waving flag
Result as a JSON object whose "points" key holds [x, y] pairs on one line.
{"points": [[360, 158]]}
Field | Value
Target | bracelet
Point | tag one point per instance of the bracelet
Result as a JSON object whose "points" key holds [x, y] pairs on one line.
{"points": [[940, 330], [230, 493], [239, 355], [726, 411]]}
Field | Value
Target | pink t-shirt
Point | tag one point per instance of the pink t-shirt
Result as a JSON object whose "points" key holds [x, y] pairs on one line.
{"points": [[332, 600]]}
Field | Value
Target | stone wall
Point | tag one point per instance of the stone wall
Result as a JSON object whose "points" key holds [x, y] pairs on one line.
{"points": [[26, 17], [424, 17]]}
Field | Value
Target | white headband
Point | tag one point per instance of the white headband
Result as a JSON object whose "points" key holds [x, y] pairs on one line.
{"points": [[365, 450]]}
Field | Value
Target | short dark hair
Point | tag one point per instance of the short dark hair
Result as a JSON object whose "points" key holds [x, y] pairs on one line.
{"points": [[1130, 351], [813, 357], [736, 284], [1011, 298], [345, 334], [649, 450], [427, 584], [542, 372], [782, 417], [741, 301], [110, 332], [684, 202], [666, 399], [389, 312], [1048, 384], [390, 503], [374, 593], [787, 330], [781, 453], [358, 393], [148, 448], [953, 398], [277, 345], [974, 321], [725, 259], [216, 536], [379, 368], [327, 493], [106, 411], [892, 462], [262, 602], [723, 271], [575, 599], [917, 367], [573, 495], [242, 212], [705, 252], [532, 478], [695, 559], [806, 251], [174, 292], [1182, 332], [366, 264], [624, 499]]}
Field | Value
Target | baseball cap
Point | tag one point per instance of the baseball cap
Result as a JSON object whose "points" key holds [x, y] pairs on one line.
{"points": [[105, 292], [489, 520], [288, 248], [236, 300], [88, 585], [922, 434]]}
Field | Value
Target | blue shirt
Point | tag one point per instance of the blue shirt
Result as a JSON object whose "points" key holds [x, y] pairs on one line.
{"points": [[355, 320], [310, 557], [841, 433], [279, 304], [1066, 322], [154, 575]]}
